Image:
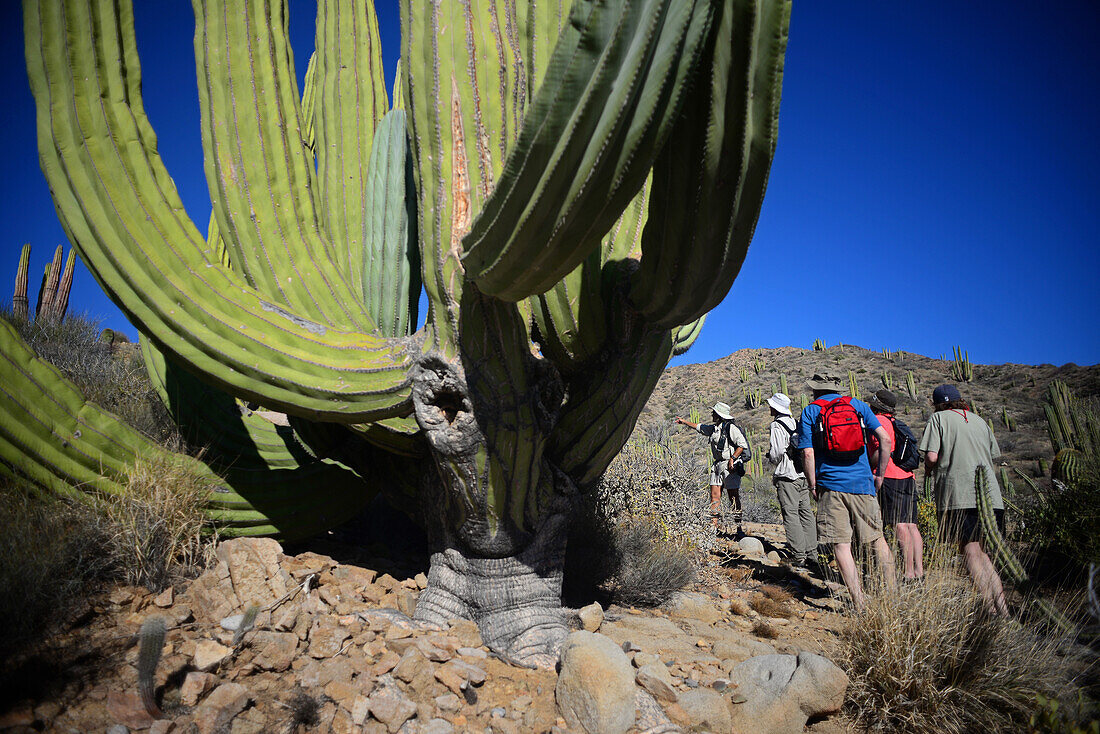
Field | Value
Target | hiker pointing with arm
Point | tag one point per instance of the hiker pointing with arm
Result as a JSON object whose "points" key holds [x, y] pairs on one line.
{"points": [[832, 436], [727, 444]]}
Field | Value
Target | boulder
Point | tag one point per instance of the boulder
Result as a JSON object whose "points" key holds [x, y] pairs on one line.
{"points": [[591, 616], [707, 710], [254, 570], [687, 605], [751, 546], [595, 689], [782, 692]]}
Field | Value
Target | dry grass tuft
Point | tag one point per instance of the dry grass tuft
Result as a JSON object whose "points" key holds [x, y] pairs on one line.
{"points": [[769, 607], [157, 528], [739, 574], [776, 593], [932, 659], [740, 607], [765, 630]]}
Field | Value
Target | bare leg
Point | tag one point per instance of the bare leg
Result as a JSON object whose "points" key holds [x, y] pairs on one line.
{"points": [[849, 572], [985, 577], [715, 504], [912, 549], [885, 561]]}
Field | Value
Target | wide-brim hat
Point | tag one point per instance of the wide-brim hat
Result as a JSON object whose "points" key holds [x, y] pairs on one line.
{"points": [[723, 411], [780, 403], [825, 383], [883, 401]]}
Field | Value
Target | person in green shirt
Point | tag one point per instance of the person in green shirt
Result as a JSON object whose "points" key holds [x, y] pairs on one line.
{"points": [[955, 443]]}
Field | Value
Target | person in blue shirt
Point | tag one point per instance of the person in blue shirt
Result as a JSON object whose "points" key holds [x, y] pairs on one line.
{"points": [[845, 487]]}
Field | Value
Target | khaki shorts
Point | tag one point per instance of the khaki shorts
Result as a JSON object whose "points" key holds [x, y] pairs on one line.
{"points": [[721, 476], [842, 516]]}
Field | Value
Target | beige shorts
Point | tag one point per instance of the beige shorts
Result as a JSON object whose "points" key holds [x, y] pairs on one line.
{"points": [[842, 517]]}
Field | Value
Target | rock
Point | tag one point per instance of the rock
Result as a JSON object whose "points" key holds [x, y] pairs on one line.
{"points": [[595, 688], [326, 637], [707, 710], [644, 658], [390, 706], [466, 631], [360, 709], [253, 565], [165, 598], [448, 703], [421, 581], [275, 651], [195, 685], [739, 647], [117, 729], [161, 726], [783, 691], [591, 616], [412, 665], [386, 663], [750, 546], [209, 655], [472, 652], [656, 679], [126, 708], [687, 605], [17, 716], [436, 726], [773, 557], [217, 711]]}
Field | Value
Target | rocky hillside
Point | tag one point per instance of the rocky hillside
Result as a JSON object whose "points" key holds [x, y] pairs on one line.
{"points": [[1019, 389]]}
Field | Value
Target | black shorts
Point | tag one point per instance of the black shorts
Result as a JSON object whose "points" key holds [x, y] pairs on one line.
{"points": [[898, 500], [964, 526]]}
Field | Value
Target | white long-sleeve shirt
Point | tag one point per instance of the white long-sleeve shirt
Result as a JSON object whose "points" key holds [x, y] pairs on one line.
{"points": [[779, 437]]}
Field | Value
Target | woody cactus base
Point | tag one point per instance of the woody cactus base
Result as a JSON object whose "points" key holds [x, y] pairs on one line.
{"points": [[574, 186]]}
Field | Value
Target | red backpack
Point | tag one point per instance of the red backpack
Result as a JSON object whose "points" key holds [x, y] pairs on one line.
{"points": [[840, 428]]}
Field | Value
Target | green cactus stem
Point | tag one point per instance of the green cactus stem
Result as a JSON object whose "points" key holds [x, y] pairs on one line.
{"points": [[961, 368], [753, 398], [888, 354], [19, 302], [151, 644], [853, 385], [783, 384], [887, 380], [819, 345], [573, 186], [1006, 561], [910, 385], [744, 374], [758, 365]]}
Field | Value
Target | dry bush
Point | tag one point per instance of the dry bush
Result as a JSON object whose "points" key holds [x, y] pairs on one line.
{"points": [[769, 607], [740, 607], [931, 658], [776, 593], [648, 568], [157, 529], [50, 553], [113, 379], [762, 629], [739, 574]]}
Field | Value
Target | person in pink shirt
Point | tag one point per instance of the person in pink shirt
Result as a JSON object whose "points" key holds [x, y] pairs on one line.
{"points": [[898, 496]]}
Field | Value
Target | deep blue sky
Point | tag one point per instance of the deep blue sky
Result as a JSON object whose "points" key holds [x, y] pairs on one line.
{"points": [[936, 180]]}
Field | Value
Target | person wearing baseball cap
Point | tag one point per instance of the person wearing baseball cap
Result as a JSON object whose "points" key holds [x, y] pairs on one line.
{"points": [[790, 485], [727, 443], [956, 442]]}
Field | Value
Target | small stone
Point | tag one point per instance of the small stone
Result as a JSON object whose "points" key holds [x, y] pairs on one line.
{"points": [[117, 729], [232, 622], [472, 652], [412, 665], [498, 712], [162, 726], [126, 708], [165, 598], [751, 546], [392, 707], [448, 702], [209, 655], [326, 637], [386, 663], [437, 726], [195, 685], [449, 677], [421, 581], [641, 659], [656, 679], [595, 690], [360, 709], [275, 651], [522, 703], [220, 707], [629, 647], [773, 557], [120, 596], [591, 617]]}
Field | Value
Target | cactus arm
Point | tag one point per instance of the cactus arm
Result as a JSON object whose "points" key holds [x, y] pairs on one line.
{"points": [[603, 405], [258, 169], [1006, 559], [581, 157], [49, 287], [351, 99], [19, 302], [684, 336], [390, 261], [64, 287], [709, 181], [118, 204]]}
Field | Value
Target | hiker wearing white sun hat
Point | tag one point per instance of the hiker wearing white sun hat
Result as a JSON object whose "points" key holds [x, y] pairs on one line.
{"points": [[791, 488], [727, 444]]}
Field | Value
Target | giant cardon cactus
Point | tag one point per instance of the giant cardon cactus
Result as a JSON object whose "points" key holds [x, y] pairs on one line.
{"points": [[572, 185]]}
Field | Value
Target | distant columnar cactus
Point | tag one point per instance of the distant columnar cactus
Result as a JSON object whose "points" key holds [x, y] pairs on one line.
{"points": [[819, 345], [758, 365], [572, 185], [910, 385], [961, 369], [752, 397], [887, 380], [853, 385], [53, 296]]}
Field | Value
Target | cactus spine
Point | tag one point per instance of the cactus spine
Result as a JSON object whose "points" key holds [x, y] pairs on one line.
{"points": [[961, 369]]}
